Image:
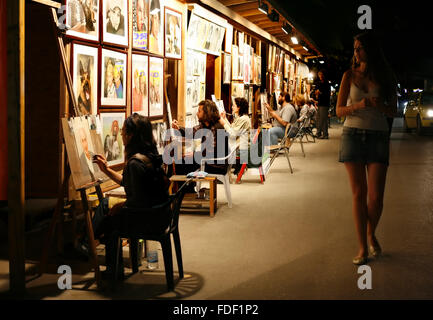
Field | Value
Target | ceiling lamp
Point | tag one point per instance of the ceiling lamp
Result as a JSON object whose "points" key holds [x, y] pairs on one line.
{"points": [[263, 7], [274, 16], [286, 28], [294, 40], [305, 48]]}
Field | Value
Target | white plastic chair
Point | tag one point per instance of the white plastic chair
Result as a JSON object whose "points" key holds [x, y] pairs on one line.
{"points": [[223, 178]]}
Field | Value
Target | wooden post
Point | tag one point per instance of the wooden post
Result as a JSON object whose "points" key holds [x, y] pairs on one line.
{"points": [[16, 112]]}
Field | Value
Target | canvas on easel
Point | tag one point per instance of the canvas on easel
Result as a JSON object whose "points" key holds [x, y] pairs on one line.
{"points": [[80, 149]]}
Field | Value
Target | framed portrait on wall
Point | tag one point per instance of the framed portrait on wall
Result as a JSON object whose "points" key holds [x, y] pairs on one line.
{"points": [[156, 86], [156, 25], [227, 71], [115, 22], [140, 84], [235, 62], [229, 38], [82, 18], [112, 142], [113, 78], [85, 78], [238, 89], [173, 34], [140, 24]]}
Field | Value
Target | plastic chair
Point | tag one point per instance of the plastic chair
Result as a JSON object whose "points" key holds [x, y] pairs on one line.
{"points": [[157, 224], [223, 178]]}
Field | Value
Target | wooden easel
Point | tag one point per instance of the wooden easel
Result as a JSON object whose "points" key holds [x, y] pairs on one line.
{"points": [[64, 182]]}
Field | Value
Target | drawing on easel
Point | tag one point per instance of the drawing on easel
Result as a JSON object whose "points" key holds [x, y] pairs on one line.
{"points": [[264, 110], [80, 149]]}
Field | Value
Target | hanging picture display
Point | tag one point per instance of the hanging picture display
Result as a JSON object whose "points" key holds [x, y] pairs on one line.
{"points": [[156, 86], [235, 62], [259, 70], [140, 23], [85, 78], [241, 42], [159, 130], [204, 35], [250, 99], [246, 56], [228, 38], [238, 89], [173, 34], [82, 17], [115, 22], [156, 25], [113, 78], [227, 69], [286, 66], [140, 84], [263, 109], [111, 136]]}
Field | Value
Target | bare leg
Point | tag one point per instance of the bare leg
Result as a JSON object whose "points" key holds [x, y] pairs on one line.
{"points": [[358, 183], [376, 190]]}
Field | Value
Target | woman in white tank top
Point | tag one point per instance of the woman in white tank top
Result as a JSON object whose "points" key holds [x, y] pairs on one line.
{"points": [[367, 97]]}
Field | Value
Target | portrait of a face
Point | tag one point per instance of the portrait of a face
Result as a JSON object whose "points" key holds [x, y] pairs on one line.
{"points": [[140, 17], [111, 137], [113, 91], [155, 28], [140, 84], [82, 16], [115, 21], [156, 86]]}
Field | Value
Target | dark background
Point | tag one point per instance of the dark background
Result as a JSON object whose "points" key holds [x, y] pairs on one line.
{"points": [[404, 28]]}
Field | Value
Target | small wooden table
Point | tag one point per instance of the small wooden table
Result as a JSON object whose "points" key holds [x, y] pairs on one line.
{"points": [[191, 200]]}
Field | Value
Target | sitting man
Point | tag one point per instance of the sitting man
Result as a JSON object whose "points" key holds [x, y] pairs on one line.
{"points": [[282, 117]]}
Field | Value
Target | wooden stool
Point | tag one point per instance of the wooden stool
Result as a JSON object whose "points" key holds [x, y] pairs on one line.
{"points": [[192, 200]]}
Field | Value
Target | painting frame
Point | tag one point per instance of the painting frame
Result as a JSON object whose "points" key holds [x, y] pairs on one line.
{"points": [[168, 14], [156, 86], [142, 75], [107, 119], [73, 30], [92, 83], [140, 25], [107, 98], [114, 34], [156, 38]]}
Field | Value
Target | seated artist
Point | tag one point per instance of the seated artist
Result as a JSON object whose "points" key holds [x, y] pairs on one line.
{"points": [[208, 117], [239, 128], [143, 179], [282, 117]]}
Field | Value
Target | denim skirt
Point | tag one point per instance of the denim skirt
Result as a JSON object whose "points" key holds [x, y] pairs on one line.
{"points": [[364, 146]]}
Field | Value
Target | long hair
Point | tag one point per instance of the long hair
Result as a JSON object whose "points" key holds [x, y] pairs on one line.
{"points": [[211, 113], [378, 69], [142, 140], [243, 106]]}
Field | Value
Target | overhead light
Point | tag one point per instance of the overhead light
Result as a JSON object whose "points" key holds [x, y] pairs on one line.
{"points": [[321, 61], [274, 16], [263, 7], [286, 28], [305, 48], [295, 40]]}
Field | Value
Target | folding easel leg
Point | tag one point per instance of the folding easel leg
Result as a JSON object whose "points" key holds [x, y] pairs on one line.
{"points": [[286, 152], [90, 235], [238, 180]]}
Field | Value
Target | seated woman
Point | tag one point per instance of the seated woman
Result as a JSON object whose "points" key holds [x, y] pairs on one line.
{"points": [[143, 179], [302, 107], [239, 128], [214, 142]]}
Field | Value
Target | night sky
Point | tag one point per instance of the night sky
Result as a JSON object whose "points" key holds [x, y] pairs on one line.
{"points": [[405, 30]]}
